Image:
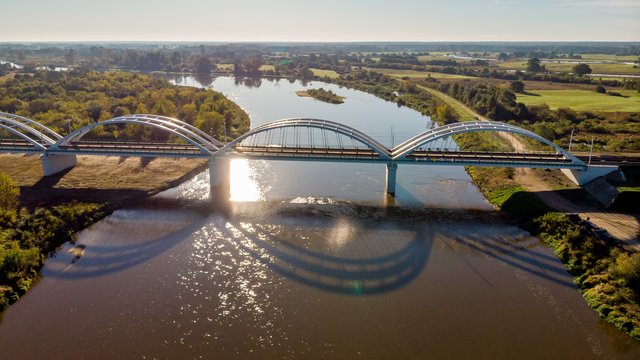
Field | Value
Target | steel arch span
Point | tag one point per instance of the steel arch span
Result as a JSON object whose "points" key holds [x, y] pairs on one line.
{"points": [[30, 130], [440, 132], [310, 123], [204, 142]]}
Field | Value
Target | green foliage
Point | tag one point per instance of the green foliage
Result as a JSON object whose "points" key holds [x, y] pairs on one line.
{"points": [[600, 89], [534, 65], [608, 277], [517, 86], [325, 95], [445, 114], [627, 269], [67, 101], [581, 69], [25, 238], [9, 192]]}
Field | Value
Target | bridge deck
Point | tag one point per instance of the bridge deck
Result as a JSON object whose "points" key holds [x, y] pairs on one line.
{"points": [[531, 159]]}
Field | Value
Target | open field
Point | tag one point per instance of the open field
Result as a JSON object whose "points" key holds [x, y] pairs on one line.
{"points": [[583, 100], [419, 74], [530, 85], [96, 179], [609, 57], [225, 67], [325, 73], [616, 69], [267, 68]]}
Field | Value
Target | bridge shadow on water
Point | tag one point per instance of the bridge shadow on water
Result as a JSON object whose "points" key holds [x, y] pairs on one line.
{"points": [[129, 238], [381, 266], [345, 249]]}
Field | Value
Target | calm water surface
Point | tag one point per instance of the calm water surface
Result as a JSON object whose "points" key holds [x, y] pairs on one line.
{"points": [[307, 264]]}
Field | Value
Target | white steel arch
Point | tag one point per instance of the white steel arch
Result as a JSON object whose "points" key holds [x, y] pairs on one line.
{"points": [[32, 131], [471, 126], [191, 134], [338, 128]]}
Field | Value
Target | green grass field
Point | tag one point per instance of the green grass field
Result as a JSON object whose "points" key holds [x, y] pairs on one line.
{"points": [[622, 69], [267, 68], [325, 73], [420, 74], [225, 66], [584, 100], [608, 57]]}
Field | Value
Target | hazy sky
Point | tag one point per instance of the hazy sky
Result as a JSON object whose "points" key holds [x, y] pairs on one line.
{"points": [[319, 20]]}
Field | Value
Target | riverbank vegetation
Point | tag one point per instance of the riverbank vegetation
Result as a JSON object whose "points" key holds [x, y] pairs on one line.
{"points": [[606, 274], [26, 237], [66, 101], [39, 214], [321, 94]]}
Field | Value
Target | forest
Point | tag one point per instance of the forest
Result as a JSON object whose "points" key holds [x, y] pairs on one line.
{"points": [[66, 101]]}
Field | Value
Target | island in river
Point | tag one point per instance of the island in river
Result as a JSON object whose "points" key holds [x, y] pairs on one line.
{"points": [[321, 94]]}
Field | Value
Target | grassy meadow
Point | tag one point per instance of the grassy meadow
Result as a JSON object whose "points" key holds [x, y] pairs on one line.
{"points": [[325, 73], [419, 74], [583, 100]]}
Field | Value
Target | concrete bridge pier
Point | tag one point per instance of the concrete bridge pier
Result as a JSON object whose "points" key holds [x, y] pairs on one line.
{"points": [[53, 164], [592, 172], [219, 180], [392, 168]]}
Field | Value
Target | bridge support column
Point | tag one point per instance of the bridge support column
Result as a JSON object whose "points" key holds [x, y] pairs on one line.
{"points": [[219, 182], [392, 168], [581, 177], [53, 164]]}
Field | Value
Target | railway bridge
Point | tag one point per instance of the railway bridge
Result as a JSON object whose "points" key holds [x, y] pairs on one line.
{"points": [[296, 139]]}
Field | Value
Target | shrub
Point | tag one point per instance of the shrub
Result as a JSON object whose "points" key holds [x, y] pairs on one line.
{"points": [[9, 192]]}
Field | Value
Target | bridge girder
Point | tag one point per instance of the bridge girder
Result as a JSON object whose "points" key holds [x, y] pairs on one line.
{"points": [[445, 131], [30, 130], [189, 133], [331, 126]]}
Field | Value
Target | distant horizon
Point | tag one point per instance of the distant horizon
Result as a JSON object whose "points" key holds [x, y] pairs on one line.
{"points": [[330, 21]]}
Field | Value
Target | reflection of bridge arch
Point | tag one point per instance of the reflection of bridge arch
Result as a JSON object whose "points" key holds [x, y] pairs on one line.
{"points": [[204, 142], [384, 269], [307, 123], [445, 131], [32, 131]]}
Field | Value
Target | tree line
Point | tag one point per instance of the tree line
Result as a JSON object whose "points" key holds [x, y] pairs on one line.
{"points": [[66, 101]]}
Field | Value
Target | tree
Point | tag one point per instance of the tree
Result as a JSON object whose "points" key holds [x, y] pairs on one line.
{"points": [[600, 89], [203, 66], [9, 192], [445, 114], [503, 56], [582, 69], [534, 65], [517, 86]]}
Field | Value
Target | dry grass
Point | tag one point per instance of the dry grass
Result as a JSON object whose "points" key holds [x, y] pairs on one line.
{"points": [[96, 178]]}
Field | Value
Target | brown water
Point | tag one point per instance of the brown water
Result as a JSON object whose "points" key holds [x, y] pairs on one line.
{"points": [[286, 273]]}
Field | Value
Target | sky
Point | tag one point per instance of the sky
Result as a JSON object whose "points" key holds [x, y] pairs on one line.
{"points": [[319, 20]]}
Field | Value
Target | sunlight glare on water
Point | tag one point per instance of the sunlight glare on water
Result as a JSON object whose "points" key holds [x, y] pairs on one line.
{"points": [[243, 184]]}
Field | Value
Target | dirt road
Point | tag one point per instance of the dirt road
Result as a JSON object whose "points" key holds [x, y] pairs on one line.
{"points": [[624, 227]]}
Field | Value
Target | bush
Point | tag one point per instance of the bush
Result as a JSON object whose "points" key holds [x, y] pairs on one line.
{"points": [[600, 89], [9, 192], [627, 269]]}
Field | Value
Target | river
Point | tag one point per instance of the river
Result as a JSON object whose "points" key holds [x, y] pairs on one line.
{"points": [[310, 261]]}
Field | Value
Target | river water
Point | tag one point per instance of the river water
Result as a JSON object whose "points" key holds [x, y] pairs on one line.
{"points": [[310, 261]]}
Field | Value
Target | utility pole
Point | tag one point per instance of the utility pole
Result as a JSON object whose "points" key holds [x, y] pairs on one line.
{"points": [[571, 139], [590, 152], [392, 138]]}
